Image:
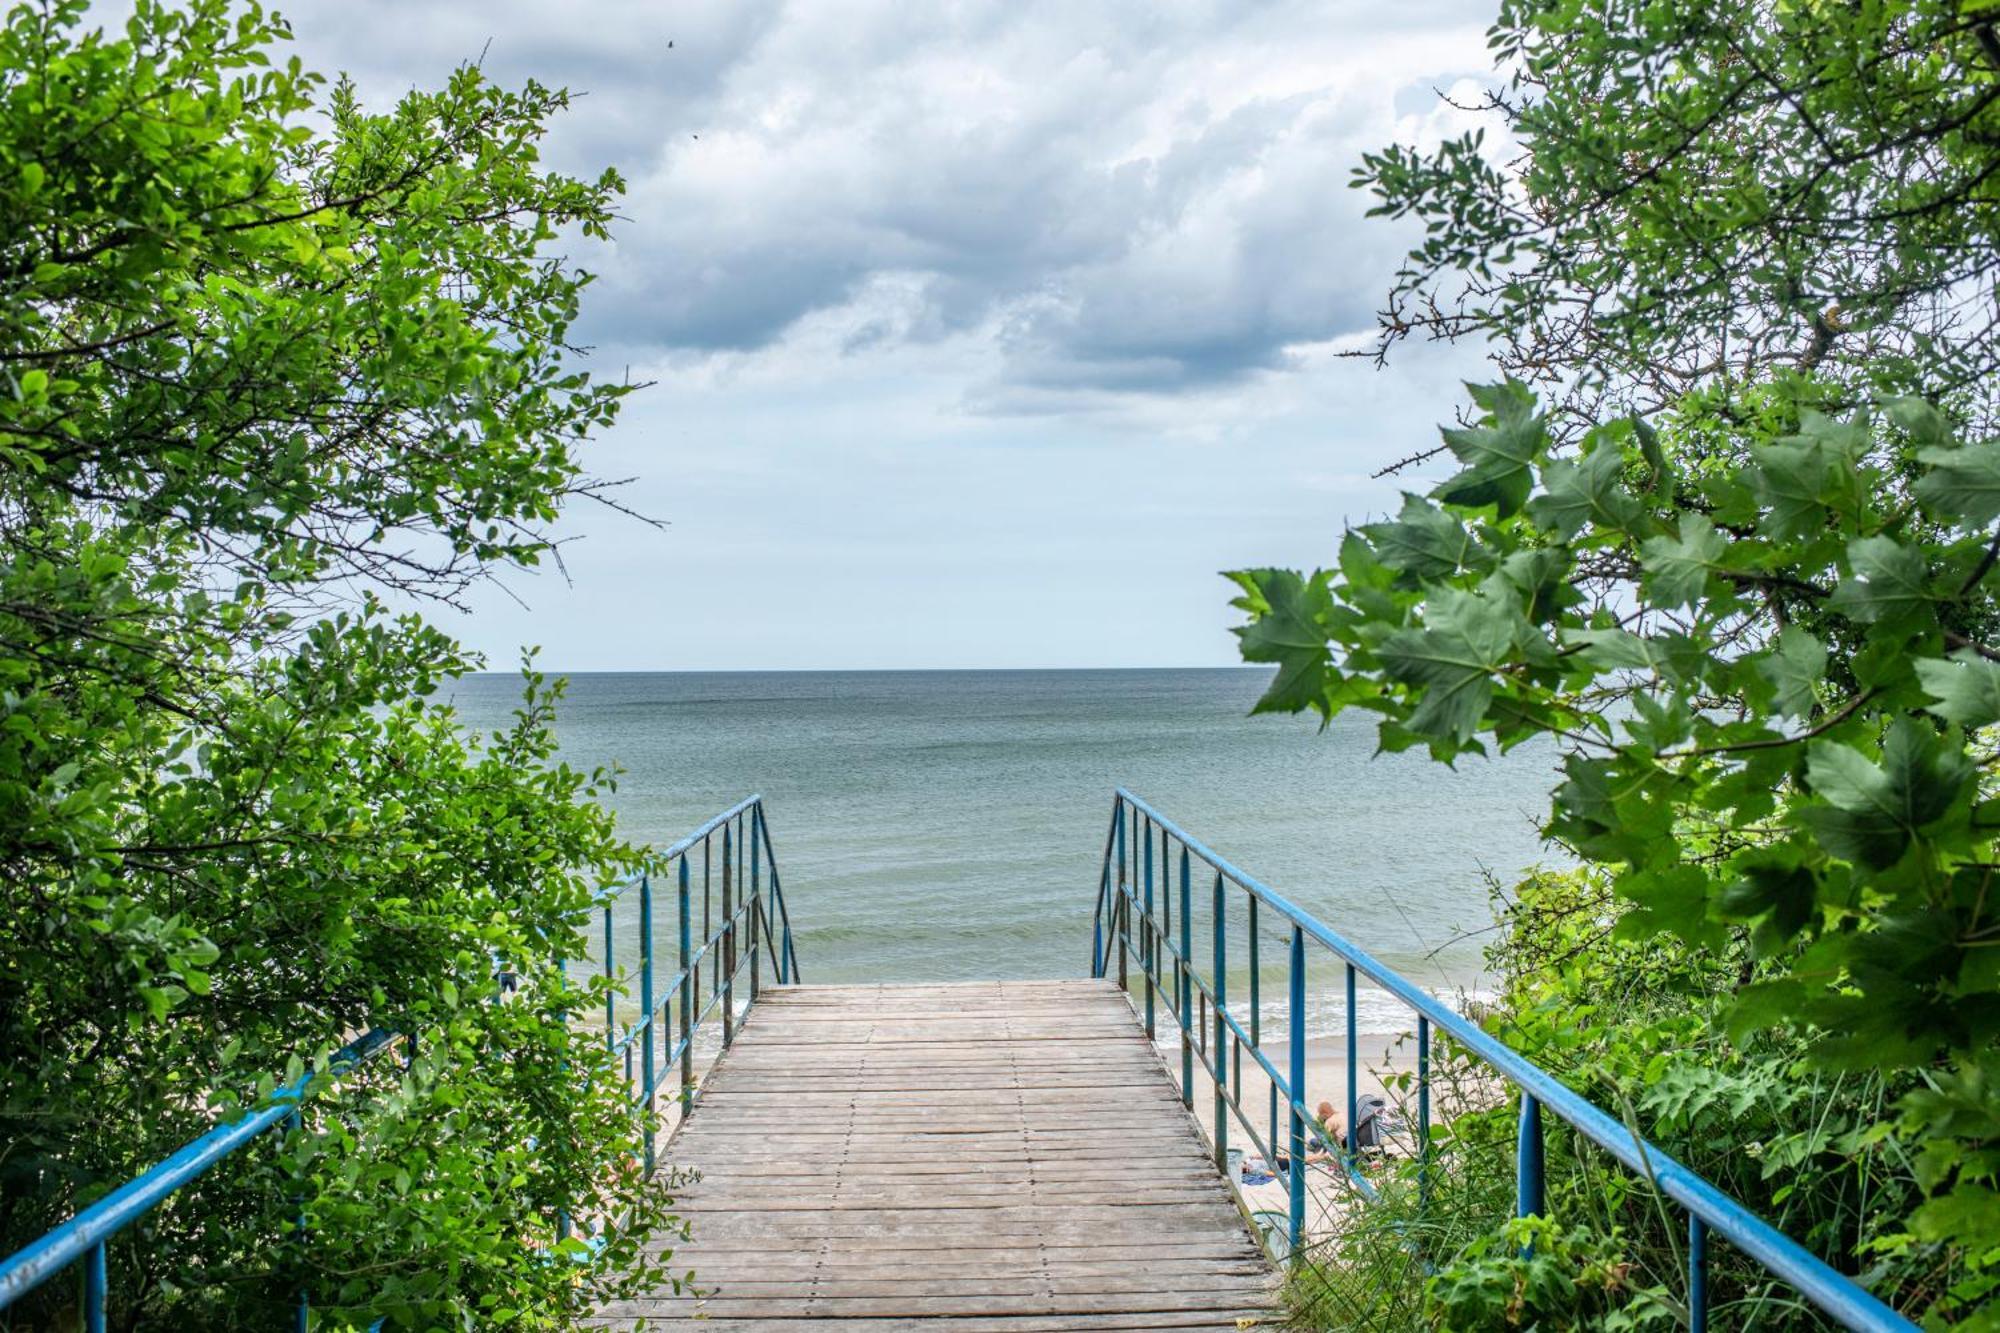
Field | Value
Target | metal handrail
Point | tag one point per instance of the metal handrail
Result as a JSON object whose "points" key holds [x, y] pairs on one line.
{"points": [[747, 903], [1126, 888], [83, 1236]]}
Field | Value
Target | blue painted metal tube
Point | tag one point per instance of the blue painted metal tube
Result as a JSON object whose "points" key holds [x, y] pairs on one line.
{"points": [[1353, 1061], [646, 999], [1697, 1275], [1423, 1113], [1098, 958], [1123, 919], [1187, 991], [725, 981], [686, 985], [1530, 1183], [96, 1289], [757, 898], [302, 1312], [789, 960], [1814, 1279], [1149, 956], [29, 1267], [610, 1002], [1256, 1019], [1221, 930], [1295, 1189]]}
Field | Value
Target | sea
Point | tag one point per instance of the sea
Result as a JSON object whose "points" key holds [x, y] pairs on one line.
{"points": [[947, 825]]}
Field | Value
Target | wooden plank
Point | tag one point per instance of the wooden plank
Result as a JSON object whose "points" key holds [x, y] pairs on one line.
{"points": [[978, 1156]]}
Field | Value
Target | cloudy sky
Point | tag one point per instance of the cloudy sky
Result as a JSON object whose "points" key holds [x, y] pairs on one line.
{"points": [[982, 333]]}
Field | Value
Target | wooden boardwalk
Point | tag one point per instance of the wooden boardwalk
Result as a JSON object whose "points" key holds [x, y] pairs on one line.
{"points": [[985, 1156]]}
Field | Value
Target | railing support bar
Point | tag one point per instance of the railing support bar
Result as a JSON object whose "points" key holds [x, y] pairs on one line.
{"points": [[1186, 962], [1148, 955], [1530, 1198], [1697, 1275], [1353, 1070], [96, 1289], [646, 1072], [1295, 1188], [727, 981], [685, 896], [1221, 1029]]}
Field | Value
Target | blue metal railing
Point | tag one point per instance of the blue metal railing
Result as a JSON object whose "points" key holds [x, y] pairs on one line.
{"points": [[1217, 1041], [752, 902]]}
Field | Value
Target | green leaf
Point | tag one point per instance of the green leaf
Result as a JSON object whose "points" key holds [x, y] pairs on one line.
{"points": [[1795, 666], [1965, 688], [1968, 1215], [1468, 636], [1872, 813], [1887, 584], [1923, 421], [1678, 567], [1788, 894], [1423, 542], [1585, 492], [1762, 1005], [1289, 615], [1963, 483], [1800, 477], [1499, 452], [1613, 649]]}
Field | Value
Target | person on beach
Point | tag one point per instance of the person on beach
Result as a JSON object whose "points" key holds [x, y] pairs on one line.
{"points": [[1329, 1121]]}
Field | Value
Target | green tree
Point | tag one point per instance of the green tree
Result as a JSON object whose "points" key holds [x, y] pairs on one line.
{"points": [[1676, 198], [1735, 560], [265, 357]]}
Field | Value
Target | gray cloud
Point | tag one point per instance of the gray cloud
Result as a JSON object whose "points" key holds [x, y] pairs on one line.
{"points": [[1126, 199]]}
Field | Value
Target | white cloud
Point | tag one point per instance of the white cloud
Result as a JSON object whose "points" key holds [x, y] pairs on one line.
{"points": [[984, 332]]}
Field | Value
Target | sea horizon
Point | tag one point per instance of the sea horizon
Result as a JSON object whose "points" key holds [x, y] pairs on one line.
{"points": [[949, 823]]}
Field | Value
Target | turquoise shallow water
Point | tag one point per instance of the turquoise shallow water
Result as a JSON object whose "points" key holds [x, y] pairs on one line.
{"points": [[950, 824]]}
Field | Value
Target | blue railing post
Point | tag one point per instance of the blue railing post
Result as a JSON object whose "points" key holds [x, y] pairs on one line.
{"points": [[687, 991], [302, 1309], [1148, 955], [1530, 1197], [1221, 1028], [1697, 1275], [1295, 1188], [1098, 958], [1353, 1070], [96, 1289], [1423, 1113], [1257, 1024], [610, 1001], [726, 983], [1187, 985], [1120, 920], [646, 1001], [756, 904]]}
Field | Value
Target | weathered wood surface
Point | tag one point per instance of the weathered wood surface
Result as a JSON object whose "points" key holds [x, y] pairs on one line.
{"points": [[984, 1156]]}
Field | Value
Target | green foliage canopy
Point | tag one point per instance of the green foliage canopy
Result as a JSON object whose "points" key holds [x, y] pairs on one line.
{"points": [[1770, 714], [1723, 535], [265, 356], [1682, 197]]}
